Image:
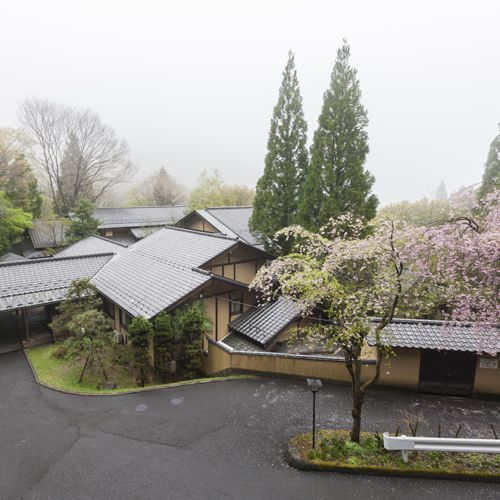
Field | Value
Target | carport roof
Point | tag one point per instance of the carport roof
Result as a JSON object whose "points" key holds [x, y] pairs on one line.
{"points": [[45, 281], [431, 334]]}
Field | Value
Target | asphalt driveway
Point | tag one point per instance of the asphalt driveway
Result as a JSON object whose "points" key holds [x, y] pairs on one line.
{"points": [[212, 441]]}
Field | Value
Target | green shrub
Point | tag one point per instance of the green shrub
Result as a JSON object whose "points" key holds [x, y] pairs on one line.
{"points": [[164, 341], [193, 324], [61, 352], [140, 331]]}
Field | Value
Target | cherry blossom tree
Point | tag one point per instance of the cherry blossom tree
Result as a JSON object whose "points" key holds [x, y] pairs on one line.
{"points": [[349, 281]]}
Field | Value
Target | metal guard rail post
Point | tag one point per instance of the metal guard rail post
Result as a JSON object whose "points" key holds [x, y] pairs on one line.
{"points": [[409, 443]]}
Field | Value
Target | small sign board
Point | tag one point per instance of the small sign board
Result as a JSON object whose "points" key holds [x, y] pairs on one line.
{"points": [[489, 363]]}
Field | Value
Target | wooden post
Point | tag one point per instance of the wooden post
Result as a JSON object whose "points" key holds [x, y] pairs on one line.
{"points": [[26, 325]]}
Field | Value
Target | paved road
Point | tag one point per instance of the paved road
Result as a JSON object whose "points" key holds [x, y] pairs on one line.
{"points": [[215, 441]]}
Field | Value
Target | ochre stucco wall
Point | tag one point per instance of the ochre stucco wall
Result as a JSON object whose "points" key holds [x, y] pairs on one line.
{"points": [[402, 369], [487, 380], [278, 364]]}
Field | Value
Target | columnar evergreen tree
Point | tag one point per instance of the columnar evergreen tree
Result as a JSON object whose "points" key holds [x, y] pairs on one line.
{"points": [[491, 175], [278, 190], [337, 181], [164, 338], [140, 331]]}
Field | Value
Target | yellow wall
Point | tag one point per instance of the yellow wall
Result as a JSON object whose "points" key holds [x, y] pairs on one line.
{"points": [[487, 380], [287, 365], [402, 369]]}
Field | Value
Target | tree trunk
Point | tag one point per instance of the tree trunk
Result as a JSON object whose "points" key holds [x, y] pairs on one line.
{"points": [[358, 397], [80, 380]]}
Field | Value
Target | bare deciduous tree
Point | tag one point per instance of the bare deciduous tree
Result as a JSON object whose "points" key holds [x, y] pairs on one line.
{"points": [[78, 155]]}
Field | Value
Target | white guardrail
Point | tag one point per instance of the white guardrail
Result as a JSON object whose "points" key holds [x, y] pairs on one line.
{"points": [[409, 443]]}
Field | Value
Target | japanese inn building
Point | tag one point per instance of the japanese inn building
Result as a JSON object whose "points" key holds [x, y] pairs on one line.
{"points": [[211, 255]]}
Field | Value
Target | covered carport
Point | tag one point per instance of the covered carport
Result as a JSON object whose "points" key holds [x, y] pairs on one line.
{"points": [[9, 333], [30, 290]]}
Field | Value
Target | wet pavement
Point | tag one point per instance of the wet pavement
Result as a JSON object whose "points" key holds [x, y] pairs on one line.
{"points": [[211, 441]]}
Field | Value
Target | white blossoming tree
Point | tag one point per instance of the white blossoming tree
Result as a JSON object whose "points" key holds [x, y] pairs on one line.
{"points": [[350, 280]]}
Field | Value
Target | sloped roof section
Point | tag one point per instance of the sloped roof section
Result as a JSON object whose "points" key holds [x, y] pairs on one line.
{"points": [[90, 246], [31, 283], [11, 257], [238, 342], [262, 324], [138, 216], [429, 334], [160, 270], [183, 246], [234, 220], [48, 233], [141, 232]]}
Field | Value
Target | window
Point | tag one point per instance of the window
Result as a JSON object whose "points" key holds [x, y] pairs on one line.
{"points": [[108, 233], [125, 319], [236, 304]]}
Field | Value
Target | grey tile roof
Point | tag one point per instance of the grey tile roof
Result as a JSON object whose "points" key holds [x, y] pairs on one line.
{"points": [[11, 257], [29, 283], [237, 220], [232, 221], [160, 270], [141, 232], [429, 334], [90, 246], [48, 233], [183, 246], [262, 324], [138, 216], [238, 342]]}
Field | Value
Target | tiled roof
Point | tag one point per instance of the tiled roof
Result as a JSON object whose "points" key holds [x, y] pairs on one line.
{"points": [[160, 270], [48, 233], [91, 245], [262, 324], [235, 220], [138, 216], [429, 334], [183, 246], [11, 257], [142, 232], [238, 342], [29, 283]]}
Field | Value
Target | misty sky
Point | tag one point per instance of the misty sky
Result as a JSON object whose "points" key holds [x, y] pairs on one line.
{"points": [[192, 85]]}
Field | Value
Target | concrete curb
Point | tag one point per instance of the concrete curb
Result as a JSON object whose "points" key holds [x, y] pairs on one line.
{"points": [[293, 460], [159, 387]]}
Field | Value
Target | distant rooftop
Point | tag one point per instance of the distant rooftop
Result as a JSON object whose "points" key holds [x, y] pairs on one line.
{"points": [[90, 246], [11, 257], [231, 221], [138, 216], [48, 233]]}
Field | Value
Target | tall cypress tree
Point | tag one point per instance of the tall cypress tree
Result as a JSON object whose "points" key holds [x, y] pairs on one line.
{"points": [[278, 190], [337, 181], [491, 175]]}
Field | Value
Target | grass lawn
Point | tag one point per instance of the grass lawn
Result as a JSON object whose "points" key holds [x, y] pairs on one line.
{"points": [[334, 449], [64, 374]]}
